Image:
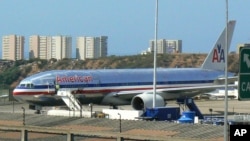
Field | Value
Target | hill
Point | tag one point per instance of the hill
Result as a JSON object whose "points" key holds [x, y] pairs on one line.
{"points": [[13, 72]]}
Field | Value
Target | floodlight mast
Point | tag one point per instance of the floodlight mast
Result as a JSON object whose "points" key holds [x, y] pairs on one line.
{"points": [[226, 80], [155, 51]]}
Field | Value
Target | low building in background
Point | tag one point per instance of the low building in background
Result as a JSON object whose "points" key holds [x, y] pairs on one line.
{"points": [[165, 46]]}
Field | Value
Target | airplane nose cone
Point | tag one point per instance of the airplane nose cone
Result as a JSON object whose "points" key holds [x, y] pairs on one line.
{"points": [[15, 95], [17, 92], [14, 92]]}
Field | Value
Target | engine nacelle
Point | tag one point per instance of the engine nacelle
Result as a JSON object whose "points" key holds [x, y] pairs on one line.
{"points": [[141, 101]]}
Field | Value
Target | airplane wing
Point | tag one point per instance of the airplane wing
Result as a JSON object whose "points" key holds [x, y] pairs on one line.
{"points": [[231, 80], [144, 98], [198, 88], [170, 93]]}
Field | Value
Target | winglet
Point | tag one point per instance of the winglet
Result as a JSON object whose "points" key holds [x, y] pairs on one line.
{"points": [[216, 58]]}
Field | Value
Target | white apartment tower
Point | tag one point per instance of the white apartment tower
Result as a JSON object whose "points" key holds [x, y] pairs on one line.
{"points": [[166, 46], [13, 47], [91, 47], [61, 47], [47, 47], [40, 47]]}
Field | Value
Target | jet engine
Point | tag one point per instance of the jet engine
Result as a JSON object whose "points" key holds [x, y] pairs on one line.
{"points": [[145, 100]]}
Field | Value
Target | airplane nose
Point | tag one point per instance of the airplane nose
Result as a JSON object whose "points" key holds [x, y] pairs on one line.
{"points": [[14, 92], [15, 95]]}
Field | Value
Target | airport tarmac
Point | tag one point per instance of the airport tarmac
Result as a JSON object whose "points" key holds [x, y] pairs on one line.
{"points": [[217, 106], [11, 114]]}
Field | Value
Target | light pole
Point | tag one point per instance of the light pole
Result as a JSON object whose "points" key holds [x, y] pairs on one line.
{"points": [[91, 109], [211, 113], [120, 122], [155, 52], [23, 116], [226, 80]]}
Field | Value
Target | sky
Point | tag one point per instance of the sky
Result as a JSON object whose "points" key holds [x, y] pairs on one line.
{"points": [[129, 24]]}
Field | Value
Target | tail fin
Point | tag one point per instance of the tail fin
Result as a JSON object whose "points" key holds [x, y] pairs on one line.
{"points": [[216, 58]]}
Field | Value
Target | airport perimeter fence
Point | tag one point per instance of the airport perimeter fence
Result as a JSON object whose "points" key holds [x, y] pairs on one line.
{"points": [[6, 95]]}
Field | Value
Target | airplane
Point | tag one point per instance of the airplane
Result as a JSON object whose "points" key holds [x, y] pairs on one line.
{"points": [[220, 94], [128, 86]]}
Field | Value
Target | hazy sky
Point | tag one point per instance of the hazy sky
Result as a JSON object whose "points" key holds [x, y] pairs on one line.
{"points": [[129, 24]]}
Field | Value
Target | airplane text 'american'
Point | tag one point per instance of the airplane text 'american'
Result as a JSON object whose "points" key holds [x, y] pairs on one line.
{"points": [[73, 79], [218, 54]]}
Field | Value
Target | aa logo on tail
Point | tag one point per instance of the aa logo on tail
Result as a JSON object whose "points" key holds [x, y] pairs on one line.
{"points": [[218, 54]]}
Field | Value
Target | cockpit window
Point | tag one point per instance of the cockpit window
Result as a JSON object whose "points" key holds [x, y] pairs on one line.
{"points": [[27, 85], [22, 85]]}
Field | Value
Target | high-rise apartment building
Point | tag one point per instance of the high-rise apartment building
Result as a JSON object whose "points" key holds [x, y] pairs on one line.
{"points": [[40, 47], [91, 47], [47, 47], [103, 46], [61, 47], [13, 47], [166, 46]]}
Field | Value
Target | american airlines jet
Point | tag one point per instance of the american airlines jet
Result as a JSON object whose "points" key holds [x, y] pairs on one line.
{"points": [[127, 86]]}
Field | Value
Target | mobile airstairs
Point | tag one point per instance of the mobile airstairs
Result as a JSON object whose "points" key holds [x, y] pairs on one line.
{"points": [[69, 99], [189, 102]]}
